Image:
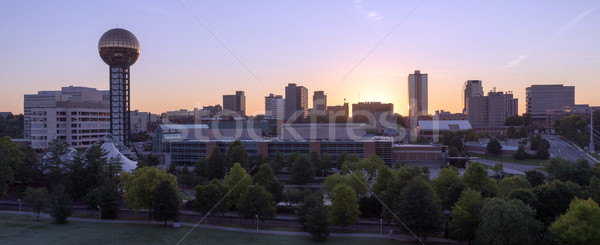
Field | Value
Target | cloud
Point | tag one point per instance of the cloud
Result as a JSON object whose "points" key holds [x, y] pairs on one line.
{"points": [[516, 61], [573, 22], [372, 15]]}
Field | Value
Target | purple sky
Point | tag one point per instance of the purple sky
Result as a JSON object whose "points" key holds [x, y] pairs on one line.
{"points": [[509, 45]]}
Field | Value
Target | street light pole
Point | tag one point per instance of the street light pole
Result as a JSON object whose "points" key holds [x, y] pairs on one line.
{"points": [[19, 200], [381, 226], [256, 221], [99, 212]]}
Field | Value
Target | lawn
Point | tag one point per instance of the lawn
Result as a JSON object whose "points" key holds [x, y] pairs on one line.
{"points": [[23, 229], [530, 162]]}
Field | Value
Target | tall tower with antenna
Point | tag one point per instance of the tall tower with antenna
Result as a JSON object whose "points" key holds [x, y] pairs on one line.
{"points": [[120, 49]]}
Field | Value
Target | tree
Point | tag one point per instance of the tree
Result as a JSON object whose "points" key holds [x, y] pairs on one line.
{"points": [[326, 162], [515, 120], [562, 169], [526, 196], [165, 202], [237, 182], [507, 222], [201, 167], [109, 200], [61, 205], [512, 133], [418, 208], [542, 152], [457, 142], [445, 179], [476, 176], [494, 147], [140, 187], [55, 160], [96, 162], [498, 168], [554, 198], [344, 207], [580, 225], [36, 198], [523, 132], [11, 158], [520, 154], [594, 189], [91, 200], [211, 196], [278, 162], [236, 153], [507, 185], [317, 223], [465, 215], [535, 177], [302, 172], [355, 181], [215, 166], [147, 160], [315, 161], [173, 168], [453, 194], [293, 196], [266, 178], [257, 201], [310, 201], [571, 127]]}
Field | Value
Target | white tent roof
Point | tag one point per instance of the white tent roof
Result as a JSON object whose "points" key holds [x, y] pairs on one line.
{"points": [[128, 164]]}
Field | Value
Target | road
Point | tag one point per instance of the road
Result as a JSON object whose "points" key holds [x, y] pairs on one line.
{"points": [[561, 148]]}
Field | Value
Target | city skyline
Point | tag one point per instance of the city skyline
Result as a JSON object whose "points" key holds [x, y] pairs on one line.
{"points": [[183, 66]]}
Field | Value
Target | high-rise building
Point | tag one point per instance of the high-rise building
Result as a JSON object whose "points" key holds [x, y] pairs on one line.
{"points": [[491, 110], [274, 106], [120, 49], [235, 102], [417, 94], [319, 103], [338, 113], [541, 98], [296, 102], [471, 88], [376, 115], [512, 104], [77, 115]]}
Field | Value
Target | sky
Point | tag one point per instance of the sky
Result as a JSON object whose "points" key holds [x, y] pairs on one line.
{"points": [[193, 52]]}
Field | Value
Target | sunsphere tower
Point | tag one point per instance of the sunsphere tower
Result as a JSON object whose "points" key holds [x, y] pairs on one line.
{"points": [[120, 49]]}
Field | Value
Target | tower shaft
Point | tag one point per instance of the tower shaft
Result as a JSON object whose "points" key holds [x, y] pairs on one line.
{"points": [[120, 123]]}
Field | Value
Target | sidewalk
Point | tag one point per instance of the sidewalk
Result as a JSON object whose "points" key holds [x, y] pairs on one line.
{"points": [[402, 238]]}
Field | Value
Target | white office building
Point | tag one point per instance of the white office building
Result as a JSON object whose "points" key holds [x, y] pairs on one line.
{"points": [[78, 115]]}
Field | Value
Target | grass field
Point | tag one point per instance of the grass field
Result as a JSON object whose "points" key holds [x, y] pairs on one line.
{"points": [[530, 162], [23, 229]]}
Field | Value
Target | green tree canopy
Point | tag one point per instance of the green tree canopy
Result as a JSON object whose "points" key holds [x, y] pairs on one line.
{"points": [[580, 225], [515, 120], [216, 166], [211, 196], [11, 159], [237, 182], [236, 153], [418, 208], [109, 200], [494, 147], [554, 198], [61, 205], [257, 201], [165, 202], [520, 154], [302, 171], [344, 206], [535, 177], [507, 222], [445, 179], [507, 185], [465, 215], [266, 178], [36, 198], [476, 177], [317, 223], [140, 187]]}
